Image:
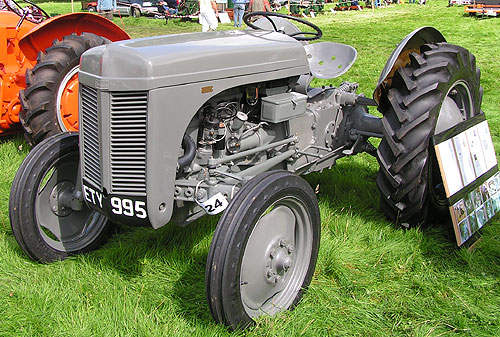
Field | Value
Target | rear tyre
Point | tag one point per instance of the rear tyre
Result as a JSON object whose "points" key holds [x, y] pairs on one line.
{"points": [[46, 224], [436, 91], [50, 100], [264, 249]]}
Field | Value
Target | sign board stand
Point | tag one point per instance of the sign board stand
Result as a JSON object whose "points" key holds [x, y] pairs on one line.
{"points": [[469, 170]]}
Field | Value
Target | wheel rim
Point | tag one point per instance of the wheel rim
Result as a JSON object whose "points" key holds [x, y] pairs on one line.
{"points": [[61, 227], [67, 101], [277, 257], [456, 108]]}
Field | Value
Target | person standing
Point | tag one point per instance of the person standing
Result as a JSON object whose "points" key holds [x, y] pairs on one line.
{"points": [[259, 6], [239, 11], [106, 8], [208, 15]]}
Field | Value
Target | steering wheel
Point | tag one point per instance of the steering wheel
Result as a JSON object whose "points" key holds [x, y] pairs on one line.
{"points": [[37, 16], [315, 35]]}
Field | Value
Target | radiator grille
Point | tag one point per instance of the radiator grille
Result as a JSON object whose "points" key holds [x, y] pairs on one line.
{"points": [[128, 142], [90, 126]]}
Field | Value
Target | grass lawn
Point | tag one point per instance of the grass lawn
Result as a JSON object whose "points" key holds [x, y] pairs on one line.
{"points": [[372, 278]]}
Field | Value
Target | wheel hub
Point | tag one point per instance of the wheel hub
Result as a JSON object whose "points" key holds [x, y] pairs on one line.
{"points": [[280, 260], [57, 198]]}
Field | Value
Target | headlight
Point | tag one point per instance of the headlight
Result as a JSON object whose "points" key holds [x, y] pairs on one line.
{"points": [[147, 4]]}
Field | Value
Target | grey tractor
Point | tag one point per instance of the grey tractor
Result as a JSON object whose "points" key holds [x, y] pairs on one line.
{"points": [[176, 127]]}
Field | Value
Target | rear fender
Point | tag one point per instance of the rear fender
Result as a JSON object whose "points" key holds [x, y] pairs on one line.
{"points": [[400, 57], [42, 35]]}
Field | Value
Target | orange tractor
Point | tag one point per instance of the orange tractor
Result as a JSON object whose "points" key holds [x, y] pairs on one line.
{"points": [[39, 63]]}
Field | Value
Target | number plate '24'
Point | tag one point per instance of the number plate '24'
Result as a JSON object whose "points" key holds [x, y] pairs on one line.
{"points": [[215, 204]]}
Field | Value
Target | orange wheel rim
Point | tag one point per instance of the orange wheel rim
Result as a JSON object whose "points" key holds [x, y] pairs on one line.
{"points": [[67, 101]]}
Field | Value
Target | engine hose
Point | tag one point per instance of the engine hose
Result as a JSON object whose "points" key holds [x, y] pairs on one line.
{"points": [[189, 147]]}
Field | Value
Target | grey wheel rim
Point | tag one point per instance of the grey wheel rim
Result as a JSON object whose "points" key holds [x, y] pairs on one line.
{"points": [[276, 258], [456, 108], [60, 227]]}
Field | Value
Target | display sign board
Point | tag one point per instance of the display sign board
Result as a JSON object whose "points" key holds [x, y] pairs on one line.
{"points": [[469, 169]]}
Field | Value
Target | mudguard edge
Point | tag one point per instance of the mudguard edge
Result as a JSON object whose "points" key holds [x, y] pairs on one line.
{"points": [[43, 34], [400, 55]]}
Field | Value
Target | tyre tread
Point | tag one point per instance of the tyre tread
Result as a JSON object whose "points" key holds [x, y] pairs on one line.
{"points": [[39, 112], [415, 98]]}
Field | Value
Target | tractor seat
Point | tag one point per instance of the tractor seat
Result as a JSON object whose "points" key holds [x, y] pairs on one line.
{"points": [[329, 60]]}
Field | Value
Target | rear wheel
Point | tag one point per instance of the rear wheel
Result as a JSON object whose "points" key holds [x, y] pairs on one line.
{"points": [[192, 8], [50, 100], [436, 91], [135, 12], [264, 249], [48, 217]]}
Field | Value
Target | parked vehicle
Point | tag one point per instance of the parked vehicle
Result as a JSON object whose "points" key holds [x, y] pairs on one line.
{"points": [[245, 125], [484, 7], [90, 6], [136, 8]]}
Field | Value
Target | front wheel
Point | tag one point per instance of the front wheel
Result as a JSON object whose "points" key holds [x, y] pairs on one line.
{"points": [[48, 217], [264, 249], [436, 91], [50, 100]]}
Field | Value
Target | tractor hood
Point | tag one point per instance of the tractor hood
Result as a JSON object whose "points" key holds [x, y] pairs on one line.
{"points": [[155, 62]]}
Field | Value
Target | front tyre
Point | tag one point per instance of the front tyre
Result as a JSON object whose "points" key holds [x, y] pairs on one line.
{"points": [[48, 217], [264, 249], [436, 91], [50, 100]]}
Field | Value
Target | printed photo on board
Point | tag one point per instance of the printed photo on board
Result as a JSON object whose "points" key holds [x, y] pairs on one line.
{"points": [[459, 211], [481, 219], [464, 230], [485, 194], [490, 211], [496, 202], [472, 221]]}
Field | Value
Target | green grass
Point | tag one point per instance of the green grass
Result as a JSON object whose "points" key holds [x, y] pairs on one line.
{"points": [[372, 279]]}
